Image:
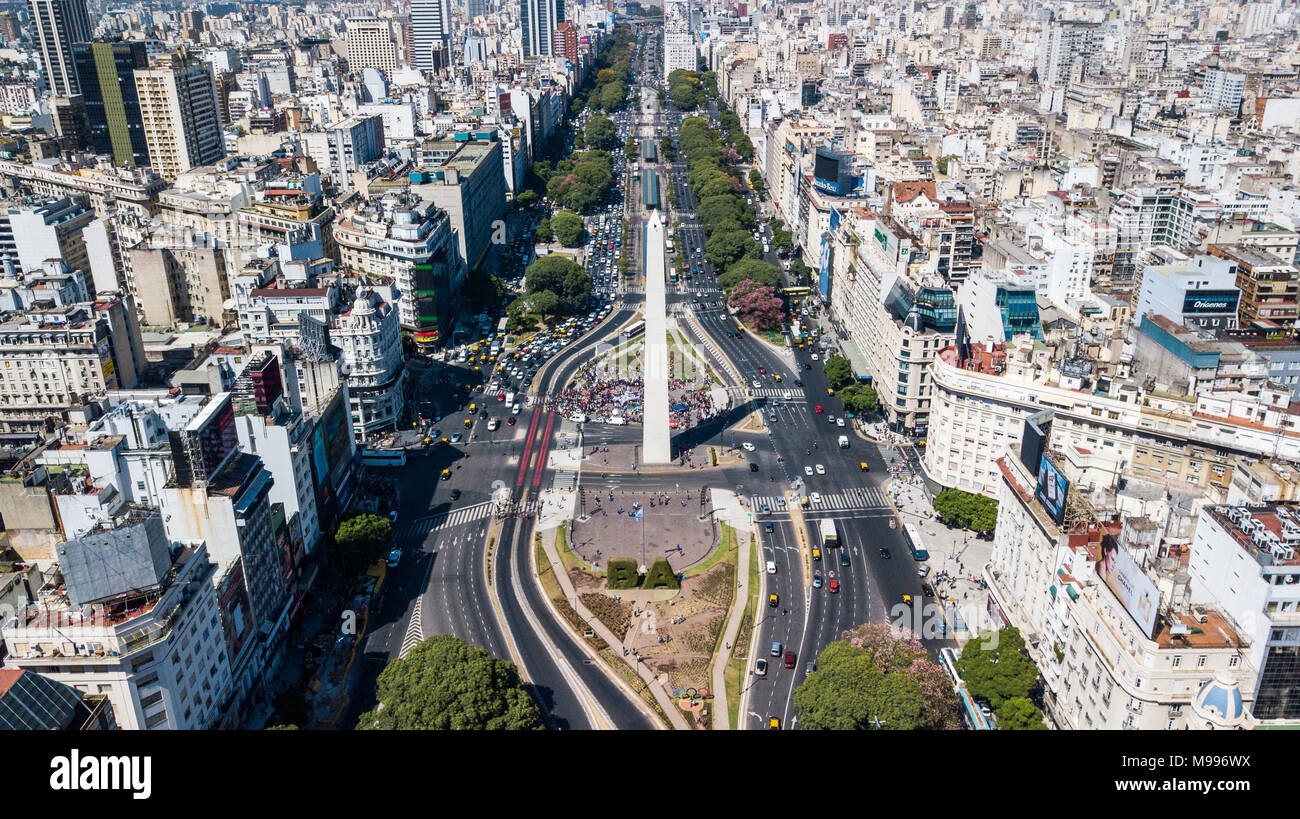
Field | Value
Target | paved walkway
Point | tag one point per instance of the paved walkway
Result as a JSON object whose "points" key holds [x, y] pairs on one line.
{"points": [[657, 686], [958, 552], [721, 713]]}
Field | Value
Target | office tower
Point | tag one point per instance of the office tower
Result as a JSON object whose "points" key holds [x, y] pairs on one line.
{"points": [[564, 42], [192, 24], [107, 72], [1062, 44], [371, 45], [179, 109], [58, 24], [430, 28], [537, 21], [477, 8], [1224, 89], [679, 42]]}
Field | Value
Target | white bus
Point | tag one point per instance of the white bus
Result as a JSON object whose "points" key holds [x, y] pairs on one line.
{"points": [[635, 329]]}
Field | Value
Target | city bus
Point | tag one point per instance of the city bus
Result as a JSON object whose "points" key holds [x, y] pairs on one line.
{"points": [[796, 292], [383, 457], [635, 329], [914, 543]]}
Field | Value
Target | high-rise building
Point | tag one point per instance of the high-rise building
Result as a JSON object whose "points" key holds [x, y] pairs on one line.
{"points": [[564, 42], [1223, 90], [477, 8], [371, 45], [57, 25], [679, 41], [181, 117], [1062, 45], [537, 21], [430, 29], [107, 72]]}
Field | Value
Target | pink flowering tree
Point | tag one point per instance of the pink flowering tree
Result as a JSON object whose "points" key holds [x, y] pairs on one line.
{"points": [[756, 304]]}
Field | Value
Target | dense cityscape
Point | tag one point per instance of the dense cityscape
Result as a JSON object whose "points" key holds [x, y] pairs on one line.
{"points": [[444, 365]]}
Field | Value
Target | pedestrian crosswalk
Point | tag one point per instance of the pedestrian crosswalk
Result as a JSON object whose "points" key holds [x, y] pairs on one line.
{"points": [[848, 500], [565, 479], [418, 528]]}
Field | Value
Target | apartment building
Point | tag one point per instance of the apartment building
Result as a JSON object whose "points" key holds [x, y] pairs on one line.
{"points": [[369, 338], [180, 115], [147, 636]]}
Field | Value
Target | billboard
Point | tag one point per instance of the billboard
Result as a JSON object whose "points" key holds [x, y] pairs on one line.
{"points": [[1051, 490], [236, 611], [1210, 301], [1134, 590]]}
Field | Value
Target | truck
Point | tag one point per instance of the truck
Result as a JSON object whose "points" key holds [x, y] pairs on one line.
{"points": [[830, 536], [844, 442]]}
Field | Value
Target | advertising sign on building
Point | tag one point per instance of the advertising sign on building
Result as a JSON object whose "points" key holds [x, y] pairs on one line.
{"points": [[1131, 586], [1052, 489]]}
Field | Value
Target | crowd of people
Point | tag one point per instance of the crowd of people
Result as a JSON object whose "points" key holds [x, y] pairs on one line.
{"points": [[688, 407], [622, 400], [600, 399]]}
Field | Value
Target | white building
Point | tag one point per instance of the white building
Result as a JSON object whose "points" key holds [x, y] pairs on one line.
{"points": [[340, 149], [371, 45], [370, 340], [679, 37], [1223, 89], [150, 637], [1196, 292], [1244, 560], [430, 30]]}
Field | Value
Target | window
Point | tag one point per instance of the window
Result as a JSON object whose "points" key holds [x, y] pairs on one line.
{"points": [[1200, 661]]}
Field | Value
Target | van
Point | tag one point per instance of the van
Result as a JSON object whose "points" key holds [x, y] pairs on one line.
{"points": [[844, 442]]}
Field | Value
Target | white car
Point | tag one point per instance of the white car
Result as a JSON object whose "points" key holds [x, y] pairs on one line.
{"points": [[815, 358], [747, 446], [760, 667], [757, 384], [821, 470], [771, 567], [807, 470], [786, 395], [816, 498], [839, 422]]}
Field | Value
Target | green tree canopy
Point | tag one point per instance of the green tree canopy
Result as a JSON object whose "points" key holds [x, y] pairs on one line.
{"points": [[560, 275], [750, 269], [725, 249], [966, 509], [527, 198], [444, 683], [364, 533], [838, 371], [997, 668], [1020, 714], [601, 133], [568, 228], [860, 399], [544, 231], [875, 677]]}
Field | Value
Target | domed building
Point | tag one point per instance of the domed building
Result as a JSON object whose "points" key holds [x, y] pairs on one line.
{"points": [[1219, 706], [371, 343]]}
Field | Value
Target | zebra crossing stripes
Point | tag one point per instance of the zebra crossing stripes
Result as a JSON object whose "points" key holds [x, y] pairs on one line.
{"points": [[414, 629], [565, 479], [420, 527], [848, 500]]}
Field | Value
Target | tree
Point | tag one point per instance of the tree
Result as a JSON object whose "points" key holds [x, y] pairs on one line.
{"points": [[800, 271], [860, 399], [444, 683], [966, 509], [568, 228], [756, 304], [544, 303], [544, 231], [629, 149], [756, 182], [873, 677], [561, 276], [527, 198], [364, 532], [601, 133], [724, 249], [717, 208], [998, 669], [838, 371], [613, 95], [1020, 714], [755, 270]]}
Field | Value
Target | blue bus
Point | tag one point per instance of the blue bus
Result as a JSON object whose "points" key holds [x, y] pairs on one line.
{"points": [[914, 543]]}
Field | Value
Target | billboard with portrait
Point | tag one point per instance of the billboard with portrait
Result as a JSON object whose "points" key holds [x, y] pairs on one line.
{"points": [[1051, 490], [1134, 590]]}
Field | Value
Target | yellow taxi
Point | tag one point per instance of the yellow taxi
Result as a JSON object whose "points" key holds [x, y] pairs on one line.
{"points": [[774, 723], [907, 599], [446, 474], [777, 377], [773, 600], [817, 554], [864, 467]]}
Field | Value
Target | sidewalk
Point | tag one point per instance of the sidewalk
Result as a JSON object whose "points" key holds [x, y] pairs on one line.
{"points": [[955, 553], [721, 713], [656, 686]]}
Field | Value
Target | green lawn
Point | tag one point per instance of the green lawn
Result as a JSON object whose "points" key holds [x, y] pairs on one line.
{"points": [[725, 551]]}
